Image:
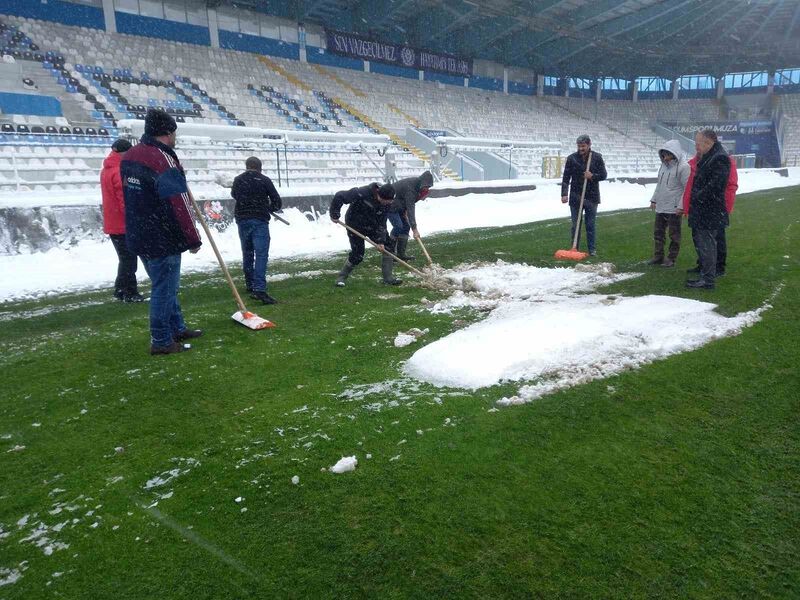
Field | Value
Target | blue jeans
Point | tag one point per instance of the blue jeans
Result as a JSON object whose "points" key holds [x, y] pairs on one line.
{"points": [[254, 236], [166, 319], [399, 224], [589, 216]]}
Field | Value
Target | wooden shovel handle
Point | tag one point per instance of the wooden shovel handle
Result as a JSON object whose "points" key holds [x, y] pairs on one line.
{"points": [[384, 250]]}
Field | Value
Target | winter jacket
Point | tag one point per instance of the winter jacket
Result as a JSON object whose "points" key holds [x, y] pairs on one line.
{"points": [[574, 169], [113, 199], [672, 180], [255, 196], [707, 201], [158, 218], [364, 214], [730, 189], [407, 195]]}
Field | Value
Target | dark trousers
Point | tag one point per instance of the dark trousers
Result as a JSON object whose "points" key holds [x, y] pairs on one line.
{"points": [[664, 222], [589, 218], [722, 251], [705, 242], [125, 284], [357, 244]]}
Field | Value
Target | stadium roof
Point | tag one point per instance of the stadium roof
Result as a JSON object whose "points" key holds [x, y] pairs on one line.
{"points": [[585, 38]]}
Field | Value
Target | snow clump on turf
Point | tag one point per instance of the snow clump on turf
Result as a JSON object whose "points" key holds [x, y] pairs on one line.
{"points": [[345, 465]]}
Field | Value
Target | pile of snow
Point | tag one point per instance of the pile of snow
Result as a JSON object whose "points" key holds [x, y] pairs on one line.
{"points": [[406, 338], [92, 263], [545, 332], [345, 465]]}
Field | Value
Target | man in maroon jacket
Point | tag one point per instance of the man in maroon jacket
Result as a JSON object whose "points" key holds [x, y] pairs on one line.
{"points": [[159, 226], [125, 287]]}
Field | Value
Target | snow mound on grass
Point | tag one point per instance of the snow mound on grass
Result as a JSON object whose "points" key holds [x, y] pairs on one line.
{"points": [[545, 334], [345, 464]]}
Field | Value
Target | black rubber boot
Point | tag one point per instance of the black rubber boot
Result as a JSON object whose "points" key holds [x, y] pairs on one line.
{"points": [[402, 244], [387, 265], [344, 274]]}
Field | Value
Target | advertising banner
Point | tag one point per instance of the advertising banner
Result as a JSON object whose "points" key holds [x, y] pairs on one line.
{"points": [[356, 46]]}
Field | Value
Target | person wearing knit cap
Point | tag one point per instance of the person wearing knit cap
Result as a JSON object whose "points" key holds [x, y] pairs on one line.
{"points": [[160, 226], [366, 213], [125, 287]]}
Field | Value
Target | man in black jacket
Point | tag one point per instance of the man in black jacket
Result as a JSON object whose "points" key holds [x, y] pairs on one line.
{"points": [[255, 197], [707, 213], [402, 214], [574, 173], [367, 215]]}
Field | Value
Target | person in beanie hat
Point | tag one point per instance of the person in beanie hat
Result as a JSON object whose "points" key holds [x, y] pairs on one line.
{"points": [[158, 123], [159, 226], [575, 172], [402, 214], [367, 215], [125, 288], [256, 197]]}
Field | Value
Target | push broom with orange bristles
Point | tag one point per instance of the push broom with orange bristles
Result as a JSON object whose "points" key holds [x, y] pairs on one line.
{"points": [[574, 253], [242, 316]]}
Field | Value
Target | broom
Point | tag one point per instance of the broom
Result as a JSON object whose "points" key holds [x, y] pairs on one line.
{"points": [[242, 316], [574, 253], [383, 250]]}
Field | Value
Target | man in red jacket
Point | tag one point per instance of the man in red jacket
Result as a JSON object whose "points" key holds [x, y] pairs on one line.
{"points": [[730, 198], [125, 288]]}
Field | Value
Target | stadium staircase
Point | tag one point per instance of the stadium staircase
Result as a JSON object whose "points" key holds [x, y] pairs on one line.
{"points": [[354, 112]]}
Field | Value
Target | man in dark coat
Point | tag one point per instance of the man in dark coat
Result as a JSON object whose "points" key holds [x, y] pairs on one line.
{"points": [[707, 213], [255, 197], [159, 226], [402, 214], [367, 215], [575, 172]]}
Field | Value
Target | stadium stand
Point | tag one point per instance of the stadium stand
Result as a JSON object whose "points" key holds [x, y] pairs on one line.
{"points": [[86, 80]]}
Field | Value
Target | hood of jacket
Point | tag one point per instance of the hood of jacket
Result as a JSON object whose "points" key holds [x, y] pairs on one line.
{"points": [[672, 180], [425, 180], [674, 147]]}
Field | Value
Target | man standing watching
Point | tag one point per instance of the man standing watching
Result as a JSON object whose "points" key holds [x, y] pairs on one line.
{"points": [[730, 199], [402, 214], [667, 202], [255, 197], [367, 215], [575, 171], [707, 214], [125, 287], [159, 226]]}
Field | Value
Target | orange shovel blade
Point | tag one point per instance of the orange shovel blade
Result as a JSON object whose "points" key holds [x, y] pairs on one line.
{"points": [[251, 320], [570, 255]]}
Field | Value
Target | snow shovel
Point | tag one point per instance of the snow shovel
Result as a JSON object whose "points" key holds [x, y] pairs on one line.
{"points": [[242, 316], [574, 253], [386, 252], [424, 250], [279, 218]]}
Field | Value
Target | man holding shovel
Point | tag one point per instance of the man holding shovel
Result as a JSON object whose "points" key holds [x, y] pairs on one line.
{"points": [[159, 226], [367, 216], [575, 171], [402, 214]]}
